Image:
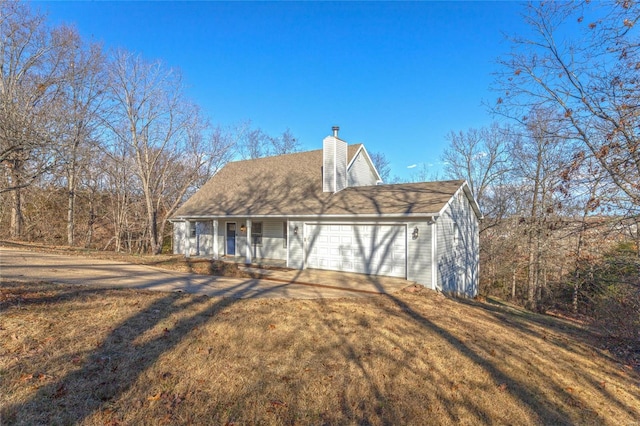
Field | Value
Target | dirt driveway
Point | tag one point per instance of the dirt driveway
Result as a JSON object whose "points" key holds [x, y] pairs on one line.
{"points": [[25, 265]]}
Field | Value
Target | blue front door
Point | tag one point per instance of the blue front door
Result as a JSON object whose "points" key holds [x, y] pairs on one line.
{"points": [[231, 239]]}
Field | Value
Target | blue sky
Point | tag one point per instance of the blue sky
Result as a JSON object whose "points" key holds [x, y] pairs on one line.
{"points": [[396, 76]]}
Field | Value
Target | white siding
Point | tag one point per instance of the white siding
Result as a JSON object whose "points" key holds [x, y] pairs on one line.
{"points": [[296, 245], [241, 239], [360, 173], [182, 240], [204, 238], [222, 238], [458, 264], [328, 164], [272, 241], [341, 165], [178, 237], [214, 237], [334, 164], [419, 253]]}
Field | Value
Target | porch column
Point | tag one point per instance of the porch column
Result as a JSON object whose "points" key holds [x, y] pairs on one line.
{"points": [[187, 238], [215, 239], [248, 254]]}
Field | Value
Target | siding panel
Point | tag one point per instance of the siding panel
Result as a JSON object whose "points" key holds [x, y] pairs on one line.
{"points": [[178, 237], [458, 258], [360, 172], [419, 253], [296, 245], [272, 246], [341, 165], [328, 164], [204, 237]]}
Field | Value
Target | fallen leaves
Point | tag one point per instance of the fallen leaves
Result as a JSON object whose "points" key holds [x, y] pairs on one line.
{"points": [[277, 403], [61, 391], [26, 377]]}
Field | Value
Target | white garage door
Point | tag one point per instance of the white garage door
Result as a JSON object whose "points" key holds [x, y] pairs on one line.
{"points": [[366, 249]]}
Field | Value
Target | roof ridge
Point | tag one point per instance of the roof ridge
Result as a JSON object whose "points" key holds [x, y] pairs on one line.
{"points": [[288, 153]]}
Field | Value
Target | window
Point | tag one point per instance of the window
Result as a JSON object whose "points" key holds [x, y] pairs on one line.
{"points": [[284, 234], [192, 229], [256, 233]]}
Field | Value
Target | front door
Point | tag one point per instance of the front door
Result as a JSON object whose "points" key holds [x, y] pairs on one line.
{"points": [[231, 239]]}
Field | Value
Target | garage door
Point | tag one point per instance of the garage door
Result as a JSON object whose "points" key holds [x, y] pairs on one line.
{"points": [[365, 249]]}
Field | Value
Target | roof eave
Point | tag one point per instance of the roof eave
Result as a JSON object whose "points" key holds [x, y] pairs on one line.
{"points": [[432, 215]]}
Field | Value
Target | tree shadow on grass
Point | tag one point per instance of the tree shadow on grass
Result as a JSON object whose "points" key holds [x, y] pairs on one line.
{"points": [[131, 346], [548, 410], [138, 343]]}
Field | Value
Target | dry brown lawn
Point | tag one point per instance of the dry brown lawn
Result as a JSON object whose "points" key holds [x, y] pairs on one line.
{"points": [[73, 354]]}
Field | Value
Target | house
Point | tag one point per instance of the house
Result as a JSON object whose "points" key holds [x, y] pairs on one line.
{"points": [[328, 209]]}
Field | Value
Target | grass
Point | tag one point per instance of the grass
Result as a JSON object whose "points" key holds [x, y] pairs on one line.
{"points": [[74, 354]]}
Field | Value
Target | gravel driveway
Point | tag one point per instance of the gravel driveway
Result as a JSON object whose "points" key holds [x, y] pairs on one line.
{"points": [[25, 265]]}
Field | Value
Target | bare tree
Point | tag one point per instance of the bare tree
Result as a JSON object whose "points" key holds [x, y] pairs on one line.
{"points": [[591, 80], [286, 143], [32, 77], [480, 156], [83, 98], [220, 145], [424, 172], [117, 171], [163, 132], [381, 162], [538, 163], [255, 143]]}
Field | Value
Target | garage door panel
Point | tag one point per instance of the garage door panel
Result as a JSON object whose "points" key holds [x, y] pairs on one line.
{"points": [[369, 249]]}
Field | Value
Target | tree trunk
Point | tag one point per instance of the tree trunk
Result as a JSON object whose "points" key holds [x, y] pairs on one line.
{"points": [[17, 220], [152, 217], [90, 223], [533, 244], [576, 288], [532, 279], [71, 193]]}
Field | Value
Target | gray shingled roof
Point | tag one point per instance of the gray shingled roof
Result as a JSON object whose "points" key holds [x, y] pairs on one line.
{"points": [[291, 185]]}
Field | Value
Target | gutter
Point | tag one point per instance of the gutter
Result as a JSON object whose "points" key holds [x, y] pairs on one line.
{"points": [[432, 216]]}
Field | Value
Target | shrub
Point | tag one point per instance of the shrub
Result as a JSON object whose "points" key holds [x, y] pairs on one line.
{"points": [[611, 292]]}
